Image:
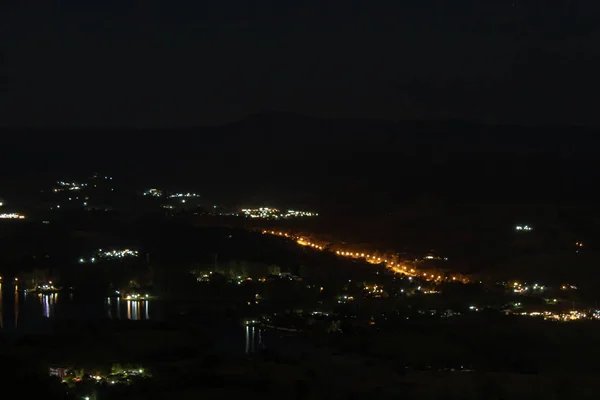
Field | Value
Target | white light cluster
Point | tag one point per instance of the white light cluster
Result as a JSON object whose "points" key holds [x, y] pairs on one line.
{"points": [[183, 195], [563, 317], [266, 213], [153, 193], [69, 186], [46, 287], [523, 228], [136, 296], [111, 254], [12, 216], [117, 253]]}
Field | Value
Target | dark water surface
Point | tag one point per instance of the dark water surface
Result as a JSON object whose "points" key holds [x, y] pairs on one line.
{"points": [[23, 313]]}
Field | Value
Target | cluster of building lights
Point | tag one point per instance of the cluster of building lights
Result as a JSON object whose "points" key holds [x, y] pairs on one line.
{"points": [[111, 255], [523, 228], [374, 291], [136, 297], [122, 377], [562, 317], [46, 287], [518, 287], [69, 186], [12, 216], [274, 213], [117, 253], [153, 193], [183, 195]]}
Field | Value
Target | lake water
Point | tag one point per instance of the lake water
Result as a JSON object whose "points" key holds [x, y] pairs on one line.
{"points": [[24, 312], [31, 313]]}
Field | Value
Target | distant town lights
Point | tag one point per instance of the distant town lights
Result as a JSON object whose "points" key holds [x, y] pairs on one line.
{"points": [[274, 213], [185, 195], [12, 216], [523, 228], [153, 193]]}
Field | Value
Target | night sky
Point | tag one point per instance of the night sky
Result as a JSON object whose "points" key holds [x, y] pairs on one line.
{"points": [[188, 63]]}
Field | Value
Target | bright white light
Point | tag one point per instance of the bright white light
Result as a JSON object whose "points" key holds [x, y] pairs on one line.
{"points": [[187, 195], [12, 216], [153, 193], [266, 213], [523, 228]]}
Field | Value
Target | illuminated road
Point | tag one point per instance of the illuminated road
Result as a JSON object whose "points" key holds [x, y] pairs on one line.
{"points": [[395, 266]]}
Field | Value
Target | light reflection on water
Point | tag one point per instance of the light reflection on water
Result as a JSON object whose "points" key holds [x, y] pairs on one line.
{"points": [[32, 312], [254, 341], [48, 303], [138, 310]]}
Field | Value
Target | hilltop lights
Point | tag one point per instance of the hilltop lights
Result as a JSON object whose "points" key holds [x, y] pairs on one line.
{"points": [[12, 216], [186, 195], [267, 213], [153, 193], [69, 186], [523, 228], [112, 255]]}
